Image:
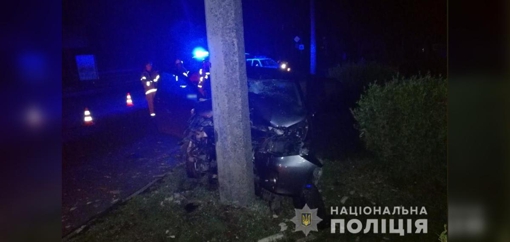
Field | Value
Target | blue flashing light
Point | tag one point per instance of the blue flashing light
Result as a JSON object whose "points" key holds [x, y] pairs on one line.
{"points": [[308, 186], [200, 53]]}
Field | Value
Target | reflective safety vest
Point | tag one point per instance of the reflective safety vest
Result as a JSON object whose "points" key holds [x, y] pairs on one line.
{"points": [[149, 81]]}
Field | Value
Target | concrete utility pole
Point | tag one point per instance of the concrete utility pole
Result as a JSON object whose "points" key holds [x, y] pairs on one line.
{"points": [[225, 36], [313, 50]]}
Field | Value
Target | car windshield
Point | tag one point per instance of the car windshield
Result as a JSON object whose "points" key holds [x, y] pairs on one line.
{"points": [[268, 62], [276, 89]]}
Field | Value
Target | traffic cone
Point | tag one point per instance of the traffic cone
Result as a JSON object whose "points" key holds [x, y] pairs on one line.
{"points": [[87, 117], [129, 101]]}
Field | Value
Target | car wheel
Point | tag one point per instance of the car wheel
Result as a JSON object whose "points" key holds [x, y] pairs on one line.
{"points": [[190, 160]]}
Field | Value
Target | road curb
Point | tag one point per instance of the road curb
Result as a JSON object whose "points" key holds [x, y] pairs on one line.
{"points": [[116, 204]]}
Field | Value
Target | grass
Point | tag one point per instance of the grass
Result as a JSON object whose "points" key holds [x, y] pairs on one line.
{"points": [[160, 214], [365, 184], [443, 237]]}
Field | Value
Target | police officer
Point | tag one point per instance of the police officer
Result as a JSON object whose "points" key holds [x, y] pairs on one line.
{"points": [[179, 69], [204, 83], [149, 81]]}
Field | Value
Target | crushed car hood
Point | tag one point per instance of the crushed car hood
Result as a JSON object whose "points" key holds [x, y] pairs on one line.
{"points": [[267, 111], [276, 112]]}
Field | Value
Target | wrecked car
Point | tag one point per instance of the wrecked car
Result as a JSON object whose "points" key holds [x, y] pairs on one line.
{"points": [[279, 126]]}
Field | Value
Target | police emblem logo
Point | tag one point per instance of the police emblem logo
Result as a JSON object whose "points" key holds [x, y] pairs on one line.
{"points": [[306, 220]]}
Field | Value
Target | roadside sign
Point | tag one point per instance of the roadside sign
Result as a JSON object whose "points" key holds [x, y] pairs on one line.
{"points": [[86, 67], [296, 39]]}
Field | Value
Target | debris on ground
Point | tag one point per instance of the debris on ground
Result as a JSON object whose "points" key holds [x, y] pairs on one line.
{"points": [[344, 199], [274, 237], [310, 237], [80, 229], [283, 226]]}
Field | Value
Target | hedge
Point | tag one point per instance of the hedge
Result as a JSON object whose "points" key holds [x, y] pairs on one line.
{"points": [[404, 123]]}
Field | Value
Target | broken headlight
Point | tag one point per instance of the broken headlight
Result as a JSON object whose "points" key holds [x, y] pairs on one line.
{"points": [[287, 141], [299, 130], [277, 131]]}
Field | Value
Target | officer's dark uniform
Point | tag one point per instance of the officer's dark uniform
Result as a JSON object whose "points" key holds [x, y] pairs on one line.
{"points": [[149, 79]]}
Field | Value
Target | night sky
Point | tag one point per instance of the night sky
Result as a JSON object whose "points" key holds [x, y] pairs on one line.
{"points": [[125, 33]]}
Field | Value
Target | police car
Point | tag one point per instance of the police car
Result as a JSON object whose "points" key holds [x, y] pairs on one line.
{"points": [[266, 62]]}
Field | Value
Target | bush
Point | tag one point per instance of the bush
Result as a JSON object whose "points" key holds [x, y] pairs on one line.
{"points": [[355, 77], [443, 237], [404, 124]]}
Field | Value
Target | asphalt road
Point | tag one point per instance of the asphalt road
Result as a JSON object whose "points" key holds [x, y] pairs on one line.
{"points": [[122, 152]]}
